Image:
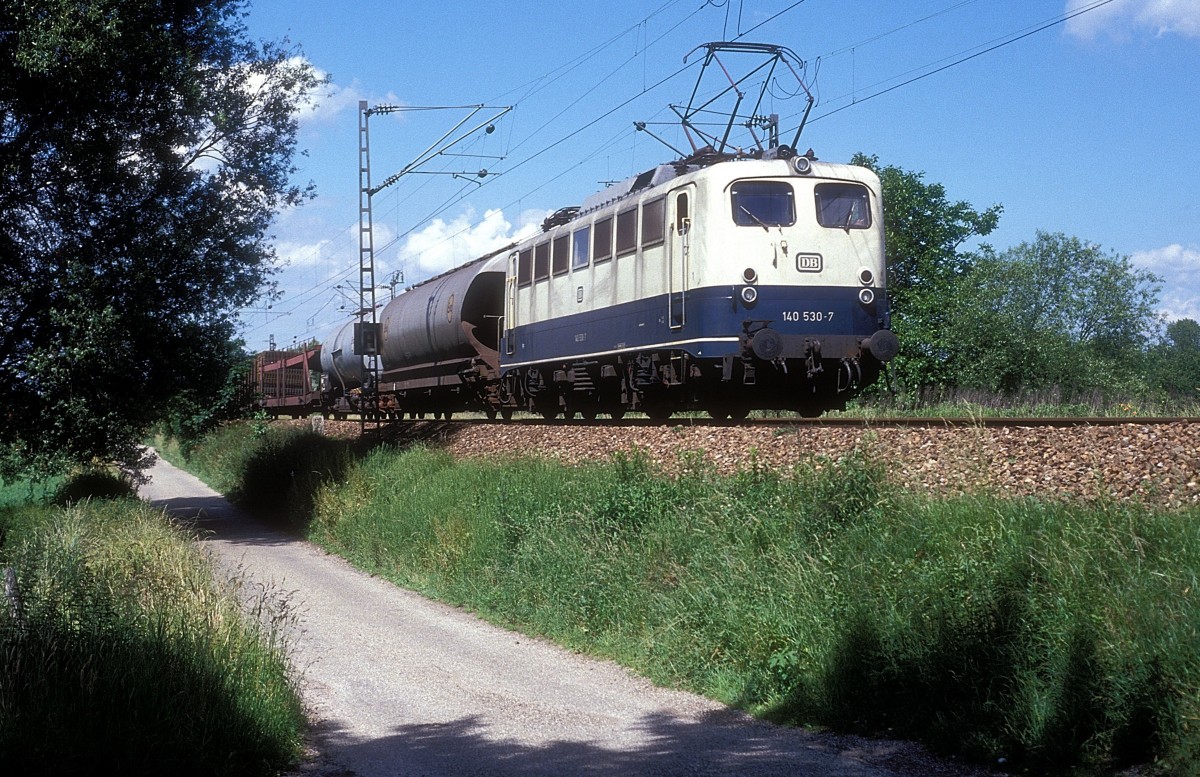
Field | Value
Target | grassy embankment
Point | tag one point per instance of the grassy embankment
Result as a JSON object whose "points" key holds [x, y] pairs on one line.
{"points": [[1056, 637], [122, 654]]}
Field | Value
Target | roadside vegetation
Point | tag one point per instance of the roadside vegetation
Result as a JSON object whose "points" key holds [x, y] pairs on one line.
{"points": [[1037, 636], [121, 651]]}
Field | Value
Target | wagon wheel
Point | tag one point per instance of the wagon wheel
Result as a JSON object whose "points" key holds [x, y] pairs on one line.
{"points": [[506, 413]]}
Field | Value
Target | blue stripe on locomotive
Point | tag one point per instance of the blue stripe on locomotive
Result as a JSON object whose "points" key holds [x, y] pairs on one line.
{"points": [[714, 319]]}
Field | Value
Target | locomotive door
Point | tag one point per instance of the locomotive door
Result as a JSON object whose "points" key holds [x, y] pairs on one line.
{"points": [[678, 250], [510, 304]]}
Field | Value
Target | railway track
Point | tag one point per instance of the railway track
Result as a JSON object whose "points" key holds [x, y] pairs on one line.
{"points": [[1059, 422]]}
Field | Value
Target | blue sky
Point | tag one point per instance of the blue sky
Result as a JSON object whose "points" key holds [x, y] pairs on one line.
{"points": [[1088, 125]]}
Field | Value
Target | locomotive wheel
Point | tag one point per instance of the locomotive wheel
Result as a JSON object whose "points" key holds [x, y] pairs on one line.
{"points": [[550, 413], [589, 414], [657, 411], [490, 412], [506, 413], [617, 413]]}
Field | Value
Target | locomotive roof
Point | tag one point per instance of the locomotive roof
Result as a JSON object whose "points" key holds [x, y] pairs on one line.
{"points": [[704, 157], [652, 177]]}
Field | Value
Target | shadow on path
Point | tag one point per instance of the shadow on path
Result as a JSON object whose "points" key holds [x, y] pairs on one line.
{"points": [[723, 743]]}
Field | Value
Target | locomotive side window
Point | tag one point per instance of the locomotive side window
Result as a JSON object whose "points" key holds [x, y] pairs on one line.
{"points": [[627, 232], [763, 204], [681, 213], [602, 247], [560, 258], [653, 217], [525, 268], [541, 261], [843, 205], [582, 240]]}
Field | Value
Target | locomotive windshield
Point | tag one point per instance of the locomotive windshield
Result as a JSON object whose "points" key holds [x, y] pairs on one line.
{"points": [[763, 204], [843, 205]]}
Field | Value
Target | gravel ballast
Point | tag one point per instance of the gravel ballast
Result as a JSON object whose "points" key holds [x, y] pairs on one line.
{"points": [[1158, 464]]}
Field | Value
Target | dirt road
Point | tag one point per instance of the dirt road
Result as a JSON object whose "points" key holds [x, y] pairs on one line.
{"points": [[400, 685]]}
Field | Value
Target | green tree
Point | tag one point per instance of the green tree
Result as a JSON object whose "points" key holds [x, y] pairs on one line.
{"points": [[1176, 360], [925, 233], [145, 146], [1053, 312]]}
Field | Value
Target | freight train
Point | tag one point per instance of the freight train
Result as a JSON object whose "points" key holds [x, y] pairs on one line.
{"points": [[720, 283]]}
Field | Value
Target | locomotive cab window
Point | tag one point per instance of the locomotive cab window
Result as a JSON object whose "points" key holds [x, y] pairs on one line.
{"points": [[763, 204], [843, 205]]}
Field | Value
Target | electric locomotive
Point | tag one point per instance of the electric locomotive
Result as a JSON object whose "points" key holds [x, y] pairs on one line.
{"points": [[722, 283]]}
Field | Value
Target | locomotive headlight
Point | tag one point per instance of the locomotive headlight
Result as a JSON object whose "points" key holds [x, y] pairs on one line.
{"points": [[749, 295], [802, 165], [749, 275], [865, 276], [866, 296]]}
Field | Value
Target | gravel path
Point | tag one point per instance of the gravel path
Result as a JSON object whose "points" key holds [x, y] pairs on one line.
{"points": [[400, 685]]}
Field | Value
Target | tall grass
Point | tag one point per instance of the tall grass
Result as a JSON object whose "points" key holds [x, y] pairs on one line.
{"points": [[1053, 401], [1056, 637], [121, 653], [274, 471]]}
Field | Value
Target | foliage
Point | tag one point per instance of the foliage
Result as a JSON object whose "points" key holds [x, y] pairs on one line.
{"points": [[94, 483], [924, 233], [144, 148], [221, 394], [125, 656], [272, 469], [1175, 361], [1054, 312]]}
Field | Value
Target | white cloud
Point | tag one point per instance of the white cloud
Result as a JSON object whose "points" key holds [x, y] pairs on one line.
{"points": [[328, 103], [295, 254], [442, 245], [1179, 268], [1120, 18]]}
